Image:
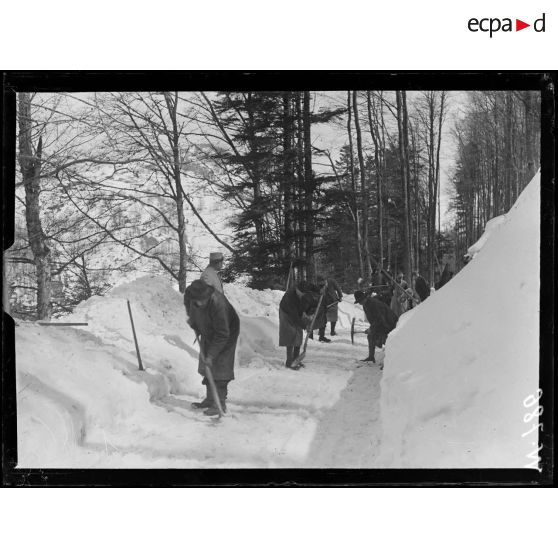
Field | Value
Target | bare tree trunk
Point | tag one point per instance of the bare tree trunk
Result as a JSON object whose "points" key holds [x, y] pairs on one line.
{"points": [[508, 156], [30, 163], [404, 163], [301, 224], [389, 250], [353, 187], [529, 152], [309, 188], [288, 175], [174, 137], [431, 227], [379, 176], [256, 185], [409, 214], [496, 181], [437, 181], [416, 199], [364, 191]]}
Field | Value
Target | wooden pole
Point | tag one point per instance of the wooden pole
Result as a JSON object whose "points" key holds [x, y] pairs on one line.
{"points": [[140, 364], [63, 324], [209, 377]]}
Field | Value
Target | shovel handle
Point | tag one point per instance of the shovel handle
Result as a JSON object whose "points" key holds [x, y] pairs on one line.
{"points": [[209, 376]]}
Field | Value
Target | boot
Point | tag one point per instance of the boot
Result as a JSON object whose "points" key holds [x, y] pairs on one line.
{"points": [[212, 411], [371, 348], [368, 359], [333, 329], [323, 338], [222, 393], [290, 357], [207, 402]]}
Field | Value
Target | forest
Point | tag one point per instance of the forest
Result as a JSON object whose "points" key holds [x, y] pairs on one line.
{"points": [[336, 183]]}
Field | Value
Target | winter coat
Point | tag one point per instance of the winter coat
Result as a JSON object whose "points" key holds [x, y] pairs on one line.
{"points": [[219, 326], [408, 301], [422, 288], [291, 322], [332, 297], [397, 304], [383, 293], [381, 318], [321, 319], [211, 277]]}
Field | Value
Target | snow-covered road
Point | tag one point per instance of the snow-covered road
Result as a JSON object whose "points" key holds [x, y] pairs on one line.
{"points": [[82, 402]]}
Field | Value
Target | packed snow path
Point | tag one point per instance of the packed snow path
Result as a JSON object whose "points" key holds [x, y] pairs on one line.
{"points": [[82, 402], [348, 435]]}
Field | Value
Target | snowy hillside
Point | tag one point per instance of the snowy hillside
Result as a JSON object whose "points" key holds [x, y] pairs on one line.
{"points": [[82, 402], [459, 367]]}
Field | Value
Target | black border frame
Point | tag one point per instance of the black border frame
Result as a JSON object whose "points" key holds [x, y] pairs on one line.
{"points": [[46, 81]]}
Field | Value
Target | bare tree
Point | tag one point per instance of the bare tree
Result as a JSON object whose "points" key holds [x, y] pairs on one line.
{"points": [[354, 188], [30, 161], [309, 187], [363, 191], [149, 130], [402, 123], [379, 163]]}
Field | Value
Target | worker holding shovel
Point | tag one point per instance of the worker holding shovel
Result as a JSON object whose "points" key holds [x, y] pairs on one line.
{"points": [[333, 296], [217, 326], [292, 322], [381, 318]]}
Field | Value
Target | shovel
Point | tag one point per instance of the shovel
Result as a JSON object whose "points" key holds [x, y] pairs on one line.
{"points": [[212, 386], [300, 357]]}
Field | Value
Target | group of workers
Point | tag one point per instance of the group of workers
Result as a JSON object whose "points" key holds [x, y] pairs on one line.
{"points": [[304, 307]]}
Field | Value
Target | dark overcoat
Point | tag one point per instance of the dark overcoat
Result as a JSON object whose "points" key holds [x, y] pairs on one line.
{"points": [[381, 318], [314, 296], [291, 324], [332, 297], [421, 287], [218, 325]]}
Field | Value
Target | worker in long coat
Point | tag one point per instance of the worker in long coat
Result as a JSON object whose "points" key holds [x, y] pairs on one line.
{"points": [[332, 298], [292, 322], [216, 323], [318, 307], [421, 286], [210, 274], [379, 287], [381, 318], [398, 300]]}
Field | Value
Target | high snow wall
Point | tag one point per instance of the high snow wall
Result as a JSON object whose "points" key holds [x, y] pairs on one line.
{"points": [[459, 367]]}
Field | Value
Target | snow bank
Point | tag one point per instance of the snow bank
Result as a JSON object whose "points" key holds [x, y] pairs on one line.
{"points": [[83, 402], [490, 227], [459, 367]]}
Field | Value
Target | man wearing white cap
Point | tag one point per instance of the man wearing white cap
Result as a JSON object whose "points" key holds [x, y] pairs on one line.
{"points": [[210, 274]]}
